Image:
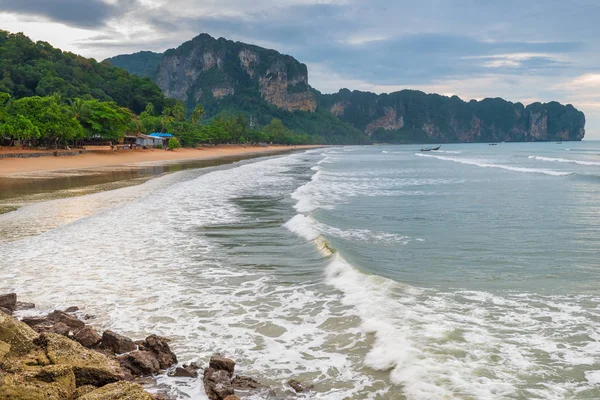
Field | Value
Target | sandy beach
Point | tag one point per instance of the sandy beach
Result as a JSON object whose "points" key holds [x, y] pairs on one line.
{"points": [[17, 166]]}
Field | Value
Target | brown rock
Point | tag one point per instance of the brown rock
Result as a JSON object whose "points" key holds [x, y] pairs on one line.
{"points": [[118, 391], [72, 309], [88, 337], [8, 301], [6, 311], [17, 334], [159, 346], [61, 329], [245, 383], [232, 397], [69, 320], [217, 384], [140, 363], [218, 362], [187, 371], [33, 321], [82, 391], [298, 386], [118, 344], [89, 367], [24, 306]]}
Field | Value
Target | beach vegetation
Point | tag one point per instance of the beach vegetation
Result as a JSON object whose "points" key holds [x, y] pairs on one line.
{"points": [[174, 144]]}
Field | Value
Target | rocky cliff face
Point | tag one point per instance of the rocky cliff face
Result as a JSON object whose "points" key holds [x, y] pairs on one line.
{"points": [[413, 116], [205, 70]]}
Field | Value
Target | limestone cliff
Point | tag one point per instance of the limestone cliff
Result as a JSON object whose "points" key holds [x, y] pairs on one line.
{"points": [[413, 116], [208, 71]]}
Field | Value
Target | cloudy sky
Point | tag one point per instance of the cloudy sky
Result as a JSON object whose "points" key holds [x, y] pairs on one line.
{"points": [[516, 49]]}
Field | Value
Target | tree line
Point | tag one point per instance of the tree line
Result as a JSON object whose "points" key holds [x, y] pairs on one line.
{"points": [[53, 121]]}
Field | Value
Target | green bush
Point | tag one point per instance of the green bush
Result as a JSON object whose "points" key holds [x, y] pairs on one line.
{"points": [[174, 144]]}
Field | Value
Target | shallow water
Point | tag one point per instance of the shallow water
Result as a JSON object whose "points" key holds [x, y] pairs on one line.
{"points": [[375, 272]]}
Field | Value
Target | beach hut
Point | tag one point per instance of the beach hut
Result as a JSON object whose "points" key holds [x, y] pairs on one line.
{"points": [[164, 137], [148, 141]]}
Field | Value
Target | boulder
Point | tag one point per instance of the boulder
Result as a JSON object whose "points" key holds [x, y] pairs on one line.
{"points": [[218, 362], [232, 397], [72, 309], [8, 301], [6, 311], [89, 367], [217, 384], [118, 391], [298, 386], [4, 349], [80, 391], [116, 343], [88, 337], [61, 329], [21, 305], [187, 371], [19, 335], [140, 363], [35, 321], [160, 347], [54, 382], [245, 383], [69, 320]]}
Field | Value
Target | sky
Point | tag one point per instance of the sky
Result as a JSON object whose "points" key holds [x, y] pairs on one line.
{"points": [[520, 50]]}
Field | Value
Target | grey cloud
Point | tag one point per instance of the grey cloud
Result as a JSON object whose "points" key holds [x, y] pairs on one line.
{"points": [[78, 13]]}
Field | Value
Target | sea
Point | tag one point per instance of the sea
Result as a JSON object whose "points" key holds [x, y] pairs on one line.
{"points": [[375, 272]]}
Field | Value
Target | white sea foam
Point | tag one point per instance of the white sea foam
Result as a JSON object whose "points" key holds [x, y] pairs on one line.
{"points": [[499, 166], [565, 160]]}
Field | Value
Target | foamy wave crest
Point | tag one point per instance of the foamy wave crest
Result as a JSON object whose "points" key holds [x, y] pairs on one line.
{"points": [[564, 160], [470, 344], [499, 166]]}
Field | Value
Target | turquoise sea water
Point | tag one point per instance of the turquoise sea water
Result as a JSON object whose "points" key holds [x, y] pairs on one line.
{"points": [[374, 272]]}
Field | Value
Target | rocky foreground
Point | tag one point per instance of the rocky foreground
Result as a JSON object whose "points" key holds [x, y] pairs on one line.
{"points": [[60, 357]]}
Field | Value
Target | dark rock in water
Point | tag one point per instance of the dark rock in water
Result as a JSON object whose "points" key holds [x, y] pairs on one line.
{"points": [[8, 301], [187, 371], [72, 309], [232, 397], [218, 362], [34, 321], [6, 311], [21, 305], [69, 320], [61, 329], [118, 344], [88, 337], [88, 317], [245, 383], [140, 363], [217, 384], [160, 347], [298, 386]]}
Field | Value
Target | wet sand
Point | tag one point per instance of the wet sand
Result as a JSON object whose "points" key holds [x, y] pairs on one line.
{"points": [[29, 180]]}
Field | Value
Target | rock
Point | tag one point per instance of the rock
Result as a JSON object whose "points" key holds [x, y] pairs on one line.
{"points": [[187, 371], [118, 391], [8, 301], [82, 391], [88, 337], [89, 367], [17, 334], [61, 329], [72, 309], [140, 363], [118, 344], [232, 397], [217, 384], [159, 346], [298, 386], [34, 321], [245, 383], [54, 382], [21, 305], [4, 349], [219, 362], [69, 320], [6, 311]]}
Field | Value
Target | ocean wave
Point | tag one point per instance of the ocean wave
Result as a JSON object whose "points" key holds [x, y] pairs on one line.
{"points": [[499, 166], [564, 160]]}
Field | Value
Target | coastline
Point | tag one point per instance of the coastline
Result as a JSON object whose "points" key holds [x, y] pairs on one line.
{"points": [[11, 167]]}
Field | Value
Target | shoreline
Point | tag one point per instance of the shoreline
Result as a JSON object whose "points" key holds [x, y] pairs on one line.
{"points": [[16, 167]]}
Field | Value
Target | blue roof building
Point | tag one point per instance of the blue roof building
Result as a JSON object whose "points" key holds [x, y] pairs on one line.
{"points": [[161, 135]]}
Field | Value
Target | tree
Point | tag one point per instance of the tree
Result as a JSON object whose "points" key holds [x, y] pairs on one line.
{"points": [[197, 114], [174, 144]]}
